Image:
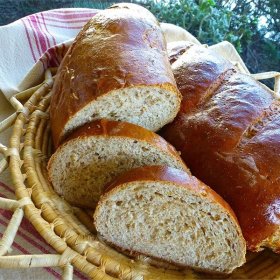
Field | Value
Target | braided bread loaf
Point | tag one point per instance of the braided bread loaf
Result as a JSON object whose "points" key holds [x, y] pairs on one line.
{"points": [[228, 134]]}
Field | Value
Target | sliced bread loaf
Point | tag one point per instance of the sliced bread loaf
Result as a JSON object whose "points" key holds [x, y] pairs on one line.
{"points": [[117, 68], [95, 153], [170, 215]]}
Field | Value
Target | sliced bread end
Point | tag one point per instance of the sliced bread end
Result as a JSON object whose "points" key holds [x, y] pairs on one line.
{"points": [[101, 150], [151, 107], [167, 214]]}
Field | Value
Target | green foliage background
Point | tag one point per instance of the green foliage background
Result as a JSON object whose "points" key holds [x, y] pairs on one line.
{"points": [[211, 21], [236, 21]]}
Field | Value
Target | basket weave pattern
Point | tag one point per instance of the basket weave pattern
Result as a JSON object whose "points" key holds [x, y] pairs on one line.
{"points": [[69, 230]]}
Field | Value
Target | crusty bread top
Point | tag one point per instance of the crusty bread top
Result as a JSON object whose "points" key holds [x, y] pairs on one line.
{"points": [[176, 176], [124, 129], [197, 71], [120, 47]]}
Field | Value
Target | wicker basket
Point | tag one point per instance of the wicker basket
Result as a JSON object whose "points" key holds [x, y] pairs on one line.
{"points": [[69, 230]]}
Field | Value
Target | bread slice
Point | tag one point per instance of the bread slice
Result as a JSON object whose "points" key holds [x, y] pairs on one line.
{"points": [[97, 152], [167, 214], [118, 69]]}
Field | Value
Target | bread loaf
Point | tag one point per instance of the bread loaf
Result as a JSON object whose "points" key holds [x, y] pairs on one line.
{"points": [[96, 152], [228, 133], [168, 214], [118, 69]]}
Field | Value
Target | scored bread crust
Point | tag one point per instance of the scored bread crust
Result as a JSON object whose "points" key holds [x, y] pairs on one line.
{"points": [[177, 48], [180, 179], [197, 71], [228, 135], [119, 48]]}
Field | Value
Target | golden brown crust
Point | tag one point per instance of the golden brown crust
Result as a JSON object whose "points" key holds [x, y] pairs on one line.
{"points": [[231, 141], [118, 48], [195, 71]]}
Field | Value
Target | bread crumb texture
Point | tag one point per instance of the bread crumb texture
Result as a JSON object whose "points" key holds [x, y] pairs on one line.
{"points": [[168, 222]]}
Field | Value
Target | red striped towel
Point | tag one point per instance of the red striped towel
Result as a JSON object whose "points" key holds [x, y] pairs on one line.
{"points": [[36, 42]]}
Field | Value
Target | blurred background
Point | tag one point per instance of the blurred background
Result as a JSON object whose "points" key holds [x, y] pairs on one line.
{"points": [[252, 26]]}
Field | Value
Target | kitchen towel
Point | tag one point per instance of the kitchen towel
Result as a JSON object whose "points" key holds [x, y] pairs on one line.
{"points": [[32, 44]]}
